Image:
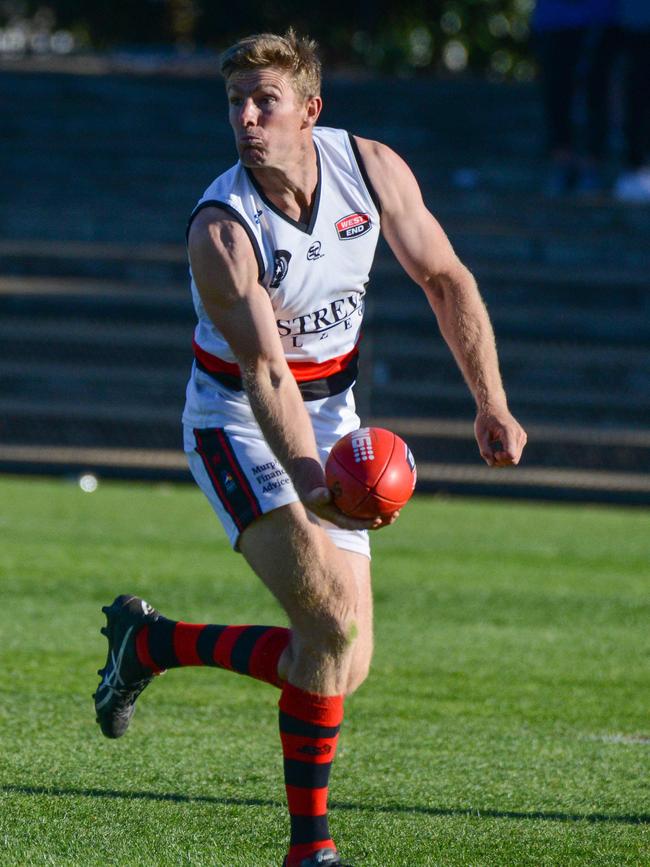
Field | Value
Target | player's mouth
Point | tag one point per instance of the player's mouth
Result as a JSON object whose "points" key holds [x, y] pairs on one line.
{"points": [[249, 141]]}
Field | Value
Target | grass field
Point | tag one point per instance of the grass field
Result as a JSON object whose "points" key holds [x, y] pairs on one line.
{"points": [[505, 721]]}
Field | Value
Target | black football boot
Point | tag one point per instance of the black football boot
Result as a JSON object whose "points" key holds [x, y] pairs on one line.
{"points": [[123, 677]]}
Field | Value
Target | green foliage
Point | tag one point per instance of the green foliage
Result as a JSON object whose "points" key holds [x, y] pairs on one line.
{"points": [[504, 721], [406, 38]]}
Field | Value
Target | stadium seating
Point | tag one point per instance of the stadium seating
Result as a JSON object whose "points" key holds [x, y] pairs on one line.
{"points": [[100, 173]]}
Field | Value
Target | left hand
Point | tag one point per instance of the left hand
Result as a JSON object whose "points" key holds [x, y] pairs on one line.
{"points": [[500, 437], [320, 502]]}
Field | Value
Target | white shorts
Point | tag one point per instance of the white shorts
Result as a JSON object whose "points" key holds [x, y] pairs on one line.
{"points": [[236, 469]]}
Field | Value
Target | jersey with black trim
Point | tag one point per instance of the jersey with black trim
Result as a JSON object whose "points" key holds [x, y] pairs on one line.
{"points": [[315, 273]]}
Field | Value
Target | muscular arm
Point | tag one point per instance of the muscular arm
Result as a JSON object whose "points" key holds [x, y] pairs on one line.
{"points": [[424, 251], [225, 272]]}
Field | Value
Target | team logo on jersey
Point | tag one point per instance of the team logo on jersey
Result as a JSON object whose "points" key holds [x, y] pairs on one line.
{"points": [[314, 251], [353, 225], [280, 267]]}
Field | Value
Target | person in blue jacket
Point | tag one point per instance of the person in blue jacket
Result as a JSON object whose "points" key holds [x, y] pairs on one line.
{"points": [[573, 37], [633, 185]]}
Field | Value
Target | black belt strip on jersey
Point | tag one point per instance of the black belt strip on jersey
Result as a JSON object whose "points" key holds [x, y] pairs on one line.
{"points": [[317, 389]]}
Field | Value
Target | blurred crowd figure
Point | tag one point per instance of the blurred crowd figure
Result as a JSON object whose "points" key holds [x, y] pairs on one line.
{"points": [[579, 42], [634, 183]]}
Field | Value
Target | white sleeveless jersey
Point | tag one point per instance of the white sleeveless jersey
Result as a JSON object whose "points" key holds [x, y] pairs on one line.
{"points": [[316, 273]]}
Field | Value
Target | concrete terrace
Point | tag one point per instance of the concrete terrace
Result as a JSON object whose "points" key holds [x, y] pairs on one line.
{"points": [[99, 175]]}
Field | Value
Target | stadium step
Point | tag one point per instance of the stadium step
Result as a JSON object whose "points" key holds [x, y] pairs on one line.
{"points": [[408, 313], [145, 264], [440, 475], [96, 318]]}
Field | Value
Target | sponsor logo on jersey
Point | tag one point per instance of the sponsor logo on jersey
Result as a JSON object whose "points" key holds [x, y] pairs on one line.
{"points": [[257, 216], [362, 446], [352, 226], [341, 313], [280, 267], [314, 251]]}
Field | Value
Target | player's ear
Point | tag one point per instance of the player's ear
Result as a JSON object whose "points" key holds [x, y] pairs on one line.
{"points": [[313, 106]]}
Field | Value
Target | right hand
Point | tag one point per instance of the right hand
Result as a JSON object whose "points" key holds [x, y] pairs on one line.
{"points": [[319, 501]]}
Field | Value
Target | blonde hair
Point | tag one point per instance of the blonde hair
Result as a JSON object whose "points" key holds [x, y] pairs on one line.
{"points": [[297, 55]]}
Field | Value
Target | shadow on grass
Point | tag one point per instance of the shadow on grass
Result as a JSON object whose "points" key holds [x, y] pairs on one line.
{"points": [[641, 819]]}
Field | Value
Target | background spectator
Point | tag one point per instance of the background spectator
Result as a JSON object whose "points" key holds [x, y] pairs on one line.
{"points": [[634, 184], [574, 37]]}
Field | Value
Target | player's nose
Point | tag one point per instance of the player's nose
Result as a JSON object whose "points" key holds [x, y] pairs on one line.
{"points": [[248, 113]]}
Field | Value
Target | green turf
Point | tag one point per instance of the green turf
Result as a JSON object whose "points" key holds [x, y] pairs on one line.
{"points": [[504, 722]]}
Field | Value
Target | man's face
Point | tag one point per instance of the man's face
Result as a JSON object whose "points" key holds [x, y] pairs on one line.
{"points": [[267, 116]]}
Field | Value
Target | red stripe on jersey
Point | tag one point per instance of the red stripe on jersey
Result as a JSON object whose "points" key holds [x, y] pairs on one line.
{"points": [[185, 637], [225, 643], [212, 362], [303, 371], [306, 371]]}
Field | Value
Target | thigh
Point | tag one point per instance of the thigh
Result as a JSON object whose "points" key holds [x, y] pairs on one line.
{"points": [[320, 586], [300, 565], [325, 592]]}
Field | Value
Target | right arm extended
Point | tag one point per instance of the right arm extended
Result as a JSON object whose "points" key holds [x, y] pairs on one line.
{"points": [[225, 272]]}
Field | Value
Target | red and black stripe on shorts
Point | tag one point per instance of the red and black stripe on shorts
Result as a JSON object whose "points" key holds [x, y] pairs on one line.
{"points": [[227, 476]]}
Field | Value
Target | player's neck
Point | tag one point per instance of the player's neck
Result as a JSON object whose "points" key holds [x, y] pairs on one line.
{"points": [[292, 187]]}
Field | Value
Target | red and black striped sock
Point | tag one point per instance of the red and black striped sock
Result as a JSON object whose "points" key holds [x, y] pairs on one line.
{"points": [[309, 729], [251, 650]]}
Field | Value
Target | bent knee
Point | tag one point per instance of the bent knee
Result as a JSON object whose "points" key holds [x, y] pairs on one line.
{"points": [[330, 632], [323, 609]]}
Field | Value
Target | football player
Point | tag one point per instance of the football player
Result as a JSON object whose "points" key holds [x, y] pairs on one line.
{"points": [[281, 247]]}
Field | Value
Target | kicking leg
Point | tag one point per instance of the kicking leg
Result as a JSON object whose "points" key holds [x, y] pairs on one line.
{"points": [[142, 643]]}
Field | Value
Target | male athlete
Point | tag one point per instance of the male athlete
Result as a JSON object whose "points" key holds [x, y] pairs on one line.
{"points": [[280, 249]]}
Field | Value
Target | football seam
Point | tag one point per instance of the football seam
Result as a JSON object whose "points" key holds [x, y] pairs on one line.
{"points": [[385, 467], [358, 481]]}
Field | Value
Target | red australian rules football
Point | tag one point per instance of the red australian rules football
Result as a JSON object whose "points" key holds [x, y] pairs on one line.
{"points": [[370, 472]]}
